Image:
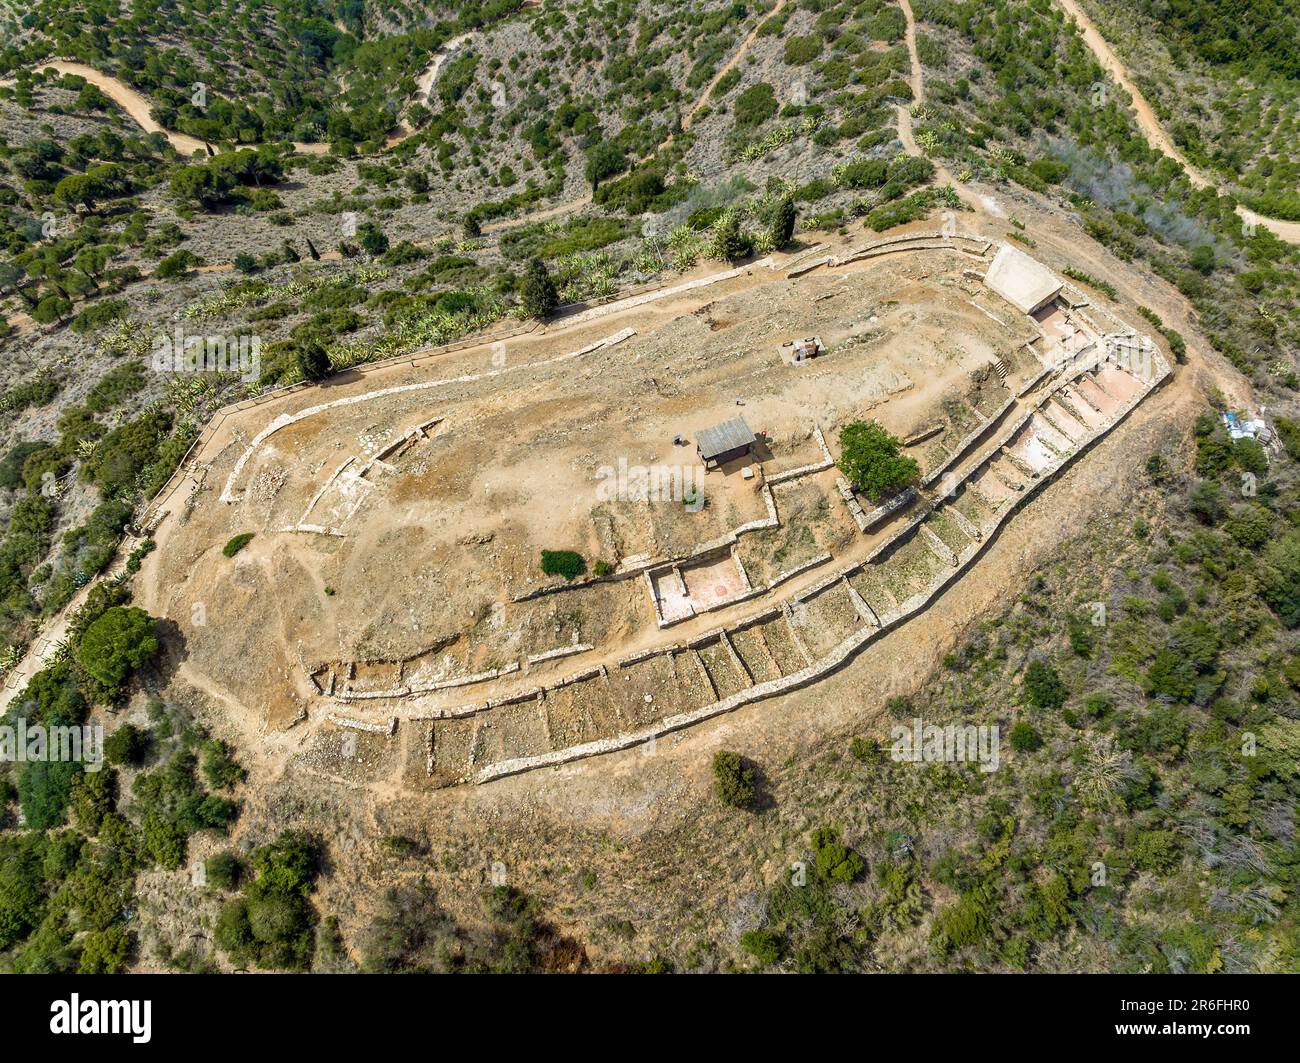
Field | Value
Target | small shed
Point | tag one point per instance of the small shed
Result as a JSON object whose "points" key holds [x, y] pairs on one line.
{"points": [[724, 442]]}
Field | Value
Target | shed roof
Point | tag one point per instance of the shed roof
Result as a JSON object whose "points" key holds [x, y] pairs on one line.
{"points": [[1022, 281], [723, 438]]}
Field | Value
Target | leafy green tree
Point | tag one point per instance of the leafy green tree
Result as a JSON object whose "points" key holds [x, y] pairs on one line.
{"points": [[50, 309], [22, 888], [870, 458], [729, 241], [372, 239], [1281, 577], [271, 924], [604, 159], [106, 951]]}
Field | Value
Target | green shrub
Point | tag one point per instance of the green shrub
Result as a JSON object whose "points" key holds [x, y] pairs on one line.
{"points": [[801, 50], [867, 750], [734, 780], [220, 770], [763, 945], [115, 645], [272, 924], [224, 870], [1024, 738], [835, 861], [1043, 687], [237, 543], [538, 297], [755, 106], [566, 563], [127, 746]]}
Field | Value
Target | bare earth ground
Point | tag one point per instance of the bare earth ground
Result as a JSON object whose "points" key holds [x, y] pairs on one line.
{"points": [[513, 468]]}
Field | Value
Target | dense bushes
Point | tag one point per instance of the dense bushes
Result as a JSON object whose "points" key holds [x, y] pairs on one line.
{"points": [[1043, 686], [271, 924], [125, 452], [755, 106], [172, 805]]}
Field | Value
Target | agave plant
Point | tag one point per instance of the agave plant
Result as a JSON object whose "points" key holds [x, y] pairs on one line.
{"points": [[1104, 772]]}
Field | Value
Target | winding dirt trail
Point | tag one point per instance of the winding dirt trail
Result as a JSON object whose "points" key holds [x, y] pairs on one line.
{"points": [[727, 67], [1150, 125], [137, 107], [916, 79]]}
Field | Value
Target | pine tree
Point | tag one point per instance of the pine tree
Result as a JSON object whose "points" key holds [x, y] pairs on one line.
{"points": [[730, 242], [313, 361], [537, 294], [783, 219]]}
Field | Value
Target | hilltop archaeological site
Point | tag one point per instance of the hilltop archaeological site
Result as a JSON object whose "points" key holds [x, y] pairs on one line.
{"points": [[391, 588]]}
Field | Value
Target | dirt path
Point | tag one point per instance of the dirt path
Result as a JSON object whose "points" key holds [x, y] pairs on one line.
{"points": [[727, 67], [424, 86], [137, 107], [916, 79], [1150, 125]]}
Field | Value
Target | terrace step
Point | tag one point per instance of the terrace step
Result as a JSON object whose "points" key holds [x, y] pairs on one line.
{"points": [[1052, 437], [751, 647], [1068, 398], [964, 523], [1019, 466], [1005, 478], [860, 604], [1081, 393], [827, 619], [1062, 421], [726, 674], [788, 614], [938, 547], [780, 643]]}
